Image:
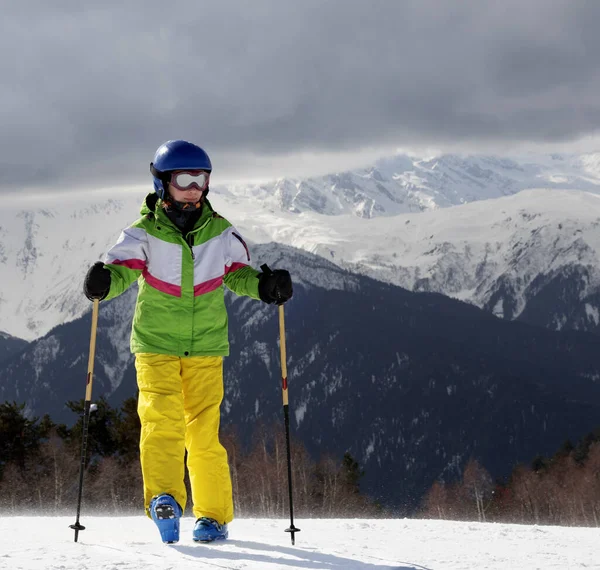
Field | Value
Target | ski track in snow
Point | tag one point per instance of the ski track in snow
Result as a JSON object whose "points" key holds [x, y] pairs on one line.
{"points": [[133, 543]]}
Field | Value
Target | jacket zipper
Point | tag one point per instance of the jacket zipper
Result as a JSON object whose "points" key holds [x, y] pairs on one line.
{"points": [[190, 241], [189, 238]]}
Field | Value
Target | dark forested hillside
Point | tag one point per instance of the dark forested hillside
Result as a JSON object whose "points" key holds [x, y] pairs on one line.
{"points": [[411, 384], [10, 345]]}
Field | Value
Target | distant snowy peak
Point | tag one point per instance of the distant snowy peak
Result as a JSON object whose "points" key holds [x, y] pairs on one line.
{"points": [[404, 184]]}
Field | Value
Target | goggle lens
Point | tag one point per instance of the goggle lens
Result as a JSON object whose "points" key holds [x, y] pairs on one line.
{"points": [[187, 180]]}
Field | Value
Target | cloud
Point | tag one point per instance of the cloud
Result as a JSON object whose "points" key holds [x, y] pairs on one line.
{"points": [[87, 94]]}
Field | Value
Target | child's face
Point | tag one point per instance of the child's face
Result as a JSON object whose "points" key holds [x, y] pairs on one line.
{"points": [[191, 195], [188, 185]]}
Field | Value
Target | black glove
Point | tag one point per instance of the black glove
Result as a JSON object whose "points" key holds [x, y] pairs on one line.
{"points": [[97, 282], [274, 286]]}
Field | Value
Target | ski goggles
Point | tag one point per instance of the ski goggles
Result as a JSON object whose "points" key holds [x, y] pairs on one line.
{"points": [[186, 180]]}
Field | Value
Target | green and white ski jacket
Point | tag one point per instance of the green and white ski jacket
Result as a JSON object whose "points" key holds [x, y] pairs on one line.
{"points": [[180, 307]]}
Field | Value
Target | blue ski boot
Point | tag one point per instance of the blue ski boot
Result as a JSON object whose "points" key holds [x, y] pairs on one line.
{"points": [[166, 512], [207, 530]]}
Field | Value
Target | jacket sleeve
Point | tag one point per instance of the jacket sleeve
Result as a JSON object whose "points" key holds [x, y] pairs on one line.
{"points": [[126, 260], [240, 276]]}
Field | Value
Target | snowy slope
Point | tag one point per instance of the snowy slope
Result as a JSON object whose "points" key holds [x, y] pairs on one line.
{"points": [[476, 252], [132, 543], [45, 252], [460, 251]]}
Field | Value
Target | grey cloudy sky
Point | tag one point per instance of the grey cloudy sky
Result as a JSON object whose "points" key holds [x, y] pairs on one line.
{"points": [[88, 91]]}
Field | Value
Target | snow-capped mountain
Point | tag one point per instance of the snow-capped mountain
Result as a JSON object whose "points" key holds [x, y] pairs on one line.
{"points": [[403, 184], [536, 248], [505, 248], [44, 254]]}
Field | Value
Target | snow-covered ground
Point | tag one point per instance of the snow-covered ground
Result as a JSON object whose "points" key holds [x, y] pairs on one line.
{"points": [[132, 543]]}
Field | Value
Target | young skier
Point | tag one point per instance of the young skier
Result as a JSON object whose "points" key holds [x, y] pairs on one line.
{"points": [[181, 252]]}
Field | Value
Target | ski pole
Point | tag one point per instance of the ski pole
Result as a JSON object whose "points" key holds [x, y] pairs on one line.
{"points": [[286, 414], [86, 414]]}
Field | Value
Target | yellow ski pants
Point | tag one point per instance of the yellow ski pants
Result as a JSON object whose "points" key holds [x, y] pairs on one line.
{"points": [[179, 409]]}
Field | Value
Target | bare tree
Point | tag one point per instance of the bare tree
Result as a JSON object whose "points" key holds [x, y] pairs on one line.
{"points": [[592, 482], [478, 486], [436, 501], [60, 468], [524, 483]]}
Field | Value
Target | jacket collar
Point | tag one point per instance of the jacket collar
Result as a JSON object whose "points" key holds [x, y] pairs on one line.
{"points": [[153, 206]]}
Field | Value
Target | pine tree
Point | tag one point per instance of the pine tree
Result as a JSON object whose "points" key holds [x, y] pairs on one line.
{"points": [[102, 430], [19, 436], [127, 431], [352, 472]]}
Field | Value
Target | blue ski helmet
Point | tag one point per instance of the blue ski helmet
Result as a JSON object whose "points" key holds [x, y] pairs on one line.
{"points": [[176, 155]]}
